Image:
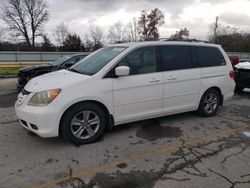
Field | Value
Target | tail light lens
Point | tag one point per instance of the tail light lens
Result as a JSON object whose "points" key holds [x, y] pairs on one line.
{"points": [[232, 74]]}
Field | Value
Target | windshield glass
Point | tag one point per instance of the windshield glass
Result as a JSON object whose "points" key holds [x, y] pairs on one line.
{"points": [[61, 60], [97, 61]]}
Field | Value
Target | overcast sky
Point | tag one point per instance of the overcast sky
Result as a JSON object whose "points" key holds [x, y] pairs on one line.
{"points": [[196, 15]]}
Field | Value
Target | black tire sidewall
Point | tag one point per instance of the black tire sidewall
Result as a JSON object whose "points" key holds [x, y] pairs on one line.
{"points": [[72, 111], [201, 110]]}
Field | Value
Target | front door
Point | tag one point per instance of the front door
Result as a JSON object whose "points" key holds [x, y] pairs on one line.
{"points": [[140, 94]]}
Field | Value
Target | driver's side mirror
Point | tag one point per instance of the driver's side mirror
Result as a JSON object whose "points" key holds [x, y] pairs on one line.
{"points": [[122, 71]]}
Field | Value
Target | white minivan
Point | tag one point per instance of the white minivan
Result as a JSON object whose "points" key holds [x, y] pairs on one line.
{"points": [[124, 83]]}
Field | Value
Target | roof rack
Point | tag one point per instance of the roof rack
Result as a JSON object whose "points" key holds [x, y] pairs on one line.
{"points": [[184, 40]]}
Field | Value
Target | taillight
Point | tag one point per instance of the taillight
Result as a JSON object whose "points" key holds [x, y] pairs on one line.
{"points": [[232, 74]]}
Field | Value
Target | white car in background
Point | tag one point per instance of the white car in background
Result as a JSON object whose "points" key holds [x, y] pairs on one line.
{"points": [[242, 76], [125, 83]]}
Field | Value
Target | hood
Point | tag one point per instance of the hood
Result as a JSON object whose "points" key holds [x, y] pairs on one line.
{"points": [[59, 79], [35, 68], [243, 65]]}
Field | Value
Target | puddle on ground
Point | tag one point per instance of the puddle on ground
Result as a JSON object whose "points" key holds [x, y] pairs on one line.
{"points": [[152, 130], [122, 165], [135, 179], [245, 136]]}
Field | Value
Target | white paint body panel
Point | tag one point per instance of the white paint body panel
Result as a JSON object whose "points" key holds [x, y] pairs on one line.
{"points": [[137, 96], [128, 98], [181, 90], [243, 65]]}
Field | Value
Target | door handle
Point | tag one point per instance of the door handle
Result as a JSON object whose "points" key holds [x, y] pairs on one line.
{"points": [[172, 78], [154, 80]]}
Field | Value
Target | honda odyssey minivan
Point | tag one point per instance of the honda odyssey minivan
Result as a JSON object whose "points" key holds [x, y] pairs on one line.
{"points": [[125, 83]]}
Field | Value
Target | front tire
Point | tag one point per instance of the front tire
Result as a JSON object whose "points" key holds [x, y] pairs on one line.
{"points": [[209, 103], [83, 123]]}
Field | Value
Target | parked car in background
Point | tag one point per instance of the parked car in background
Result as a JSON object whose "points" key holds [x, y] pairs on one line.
{"points": [[26, 74], [125, 83], [244, 60], [242, 76], [234, 60]]}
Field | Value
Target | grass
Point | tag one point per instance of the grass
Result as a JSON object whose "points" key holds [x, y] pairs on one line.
{"points": [[9, 70]]}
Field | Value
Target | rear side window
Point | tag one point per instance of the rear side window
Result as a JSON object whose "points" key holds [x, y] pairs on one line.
{"points": [[175, 58], [209, 56]]}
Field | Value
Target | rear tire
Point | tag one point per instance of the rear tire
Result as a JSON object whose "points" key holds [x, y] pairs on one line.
{"points": [[84, 123], [209, 103]]}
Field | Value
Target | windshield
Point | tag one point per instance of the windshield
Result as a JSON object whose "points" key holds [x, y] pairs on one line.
{"points": [[61, 60], [97, 61]]}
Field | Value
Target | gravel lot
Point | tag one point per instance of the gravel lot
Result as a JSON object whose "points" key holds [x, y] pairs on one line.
{"points": [[183, 150]]}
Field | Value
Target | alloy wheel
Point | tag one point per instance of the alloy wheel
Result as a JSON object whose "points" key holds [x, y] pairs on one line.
{"points": [[210, 103], [85, 124]]}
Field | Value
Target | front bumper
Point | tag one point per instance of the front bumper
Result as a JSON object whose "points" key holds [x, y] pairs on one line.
{"points": [[43, 121]]}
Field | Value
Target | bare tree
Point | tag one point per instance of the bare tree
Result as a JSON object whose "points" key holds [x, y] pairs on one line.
{"points": [[132, 30], [96, 34], [227, 30], [221, 30], [2, 34], [60, 33], [88, 44], [181, 34], [117, 32], [26, 18], [149, 23]]}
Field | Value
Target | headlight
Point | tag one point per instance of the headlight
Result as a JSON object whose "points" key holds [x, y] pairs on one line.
{"points": [[44, 98]]}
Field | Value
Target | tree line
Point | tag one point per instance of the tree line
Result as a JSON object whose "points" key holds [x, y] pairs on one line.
{"points": [[230, 38], [26, 21]]}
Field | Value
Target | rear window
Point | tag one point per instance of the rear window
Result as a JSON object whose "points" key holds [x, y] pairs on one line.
{"points": [[209, 56]]}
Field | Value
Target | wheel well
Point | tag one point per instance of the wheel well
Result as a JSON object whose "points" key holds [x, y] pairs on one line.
{"points": [[110, 116], [219, 91]]}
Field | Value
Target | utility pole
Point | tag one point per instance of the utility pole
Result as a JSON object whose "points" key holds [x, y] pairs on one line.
{"points": [[215, 29]]}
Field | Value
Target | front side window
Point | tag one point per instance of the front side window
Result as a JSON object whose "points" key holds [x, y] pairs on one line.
{"points": [[74, 60], [175, 57], [141, 61], [96, 61], [209, 56]]}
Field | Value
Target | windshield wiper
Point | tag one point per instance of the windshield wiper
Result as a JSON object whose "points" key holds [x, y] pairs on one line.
{"points": [[74, 70]]}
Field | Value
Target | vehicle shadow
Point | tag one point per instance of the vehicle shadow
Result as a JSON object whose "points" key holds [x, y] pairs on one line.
{"points": [[244, 93], [56, 141], [123, 128], [160, 121]]}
